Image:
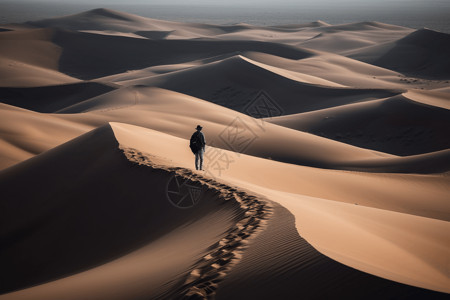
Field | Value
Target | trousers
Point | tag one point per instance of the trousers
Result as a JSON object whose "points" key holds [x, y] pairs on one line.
{"points": [[199, 159]]}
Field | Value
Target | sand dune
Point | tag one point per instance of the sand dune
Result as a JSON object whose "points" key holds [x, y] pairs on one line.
{"points": [[318, 23], [346, 37], [389, 125], [146, 72], [155, 108], [264, 138], [29, 58], [322, 36], [50, 99], [18, 74], [25, 133], [422, 53], [336, 69], [323, 41], [232, 83], [310, 181], [443, 90], [103, 225], [81, 51], [326, 167], [301, 264], [101, 19], [32, 46], [237, 62], [169, 112], [245, 175], [363, 26], [101, 149], [242, 172], [432, 98]]}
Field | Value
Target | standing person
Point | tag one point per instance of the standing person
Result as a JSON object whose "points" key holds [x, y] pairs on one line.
{"points": [[197, 145]]}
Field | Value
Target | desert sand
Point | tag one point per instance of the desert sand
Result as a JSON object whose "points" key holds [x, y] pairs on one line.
{"points": [[326, 172]]}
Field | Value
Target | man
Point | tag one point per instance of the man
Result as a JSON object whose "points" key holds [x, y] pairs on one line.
{"points": [[197, 146]]}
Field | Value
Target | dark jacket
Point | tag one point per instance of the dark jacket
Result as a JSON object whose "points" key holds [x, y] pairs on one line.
{"points": [[197, 141]]}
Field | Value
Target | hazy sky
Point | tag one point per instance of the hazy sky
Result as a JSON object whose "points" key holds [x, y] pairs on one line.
{"points": [[410, 13], [322, 4], [253, 2]]}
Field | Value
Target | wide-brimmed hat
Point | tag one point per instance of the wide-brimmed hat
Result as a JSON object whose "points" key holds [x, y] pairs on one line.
{"points": [[199, 127]]}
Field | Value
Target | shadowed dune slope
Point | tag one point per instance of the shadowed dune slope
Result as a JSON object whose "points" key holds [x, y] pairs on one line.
{"points": [[154, 34], [174, 113], [282, 265], [89, 56], [330, 67], [394, 125], [159, 109], [17, 74], [26, 133], [347, 37], [362, 26], [428, 163], [349, 187], [102, 19], [436, 97], [127, 189], [155, 108], [423, 53], [274, 64], [146, 72], [31, 46], [92, 207], [339, 42], [236, 83], [29, 58], [50, 99], [318, 23], [402, 239]]}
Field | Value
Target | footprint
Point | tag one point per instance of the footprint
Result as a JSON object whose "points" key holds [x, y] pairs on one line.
{"points": [[209, 271]]}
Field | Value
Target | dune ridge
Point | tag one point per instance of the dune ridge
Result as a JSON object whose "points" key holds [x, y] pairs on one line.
{"points": [[228, 84], [220, 259], [203, 280], [119, 54], [279, 250], [250, 216], [384, 204], [205, 285]]}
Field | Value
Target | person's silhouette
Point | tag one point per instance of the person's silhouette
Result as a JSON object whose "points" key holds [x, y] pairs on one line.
{"points": [[197, 145]]}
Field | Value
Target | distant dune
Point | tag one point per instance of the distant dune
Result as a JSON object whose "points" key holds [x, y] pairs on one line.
{"points": [[423, 53], [50, 99], [388, 125], [326, 170], [29, 58], [232, 81]]}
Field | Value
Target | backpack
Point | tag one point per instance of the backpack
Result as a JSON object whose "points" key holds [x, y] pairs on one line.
{"points": [[195, 143]]}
